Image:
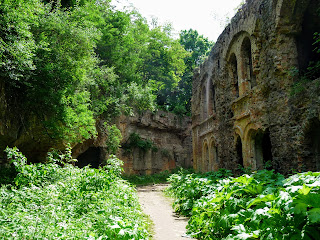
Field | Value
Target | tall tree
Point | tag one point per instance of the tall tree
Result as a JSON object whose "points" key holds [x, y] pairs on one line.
{"points": [[198, 48]]}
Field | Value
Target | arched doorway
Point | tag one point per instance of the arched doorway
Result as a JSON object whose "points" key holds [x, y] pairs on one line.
{"points": [[262, 148], [239, 154]]}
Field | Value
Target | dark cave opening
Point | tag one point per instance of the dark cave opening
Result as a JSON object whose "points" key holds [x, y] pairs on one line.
{"points": [[92, 156]]}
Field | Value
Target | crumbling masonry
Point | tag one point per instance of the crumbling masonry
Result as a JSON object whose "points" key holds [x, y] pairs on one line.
{"points": [[245, 110]]}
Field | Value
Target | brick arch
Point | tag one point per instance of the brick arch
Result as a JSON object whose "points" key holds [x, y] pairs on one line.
{"points": [[242, 50]]}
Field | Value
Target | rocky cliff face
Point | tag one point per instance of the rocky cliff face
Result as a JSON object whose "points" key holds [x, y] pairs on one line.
{"points": [[162, 142], [244, 111], [171, 139]]}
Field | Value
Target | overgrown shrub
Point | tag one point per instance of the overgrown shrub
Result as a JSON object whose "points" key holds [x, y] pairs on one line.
{"points": [[135, 141], [51, 201], [262, 205]]}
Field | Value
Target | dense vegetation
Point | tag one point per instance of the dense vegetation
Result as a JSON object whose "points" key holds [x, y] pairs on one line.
{"points": [[59, 201], [65, 64], [262, 205]]}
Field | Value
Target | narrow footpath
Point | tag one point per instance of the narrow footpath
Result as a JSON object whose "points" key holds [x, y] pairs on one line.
{"points": [[167, 225]]}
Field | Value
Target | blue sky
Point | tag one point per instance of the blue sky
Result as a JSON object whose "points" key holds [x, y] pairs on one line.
{"points": [[208, 17]]}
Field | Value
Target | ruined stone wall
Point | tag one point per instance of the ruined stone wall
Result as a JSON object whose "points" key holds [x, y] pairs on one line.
{"points": [[243, 109]]}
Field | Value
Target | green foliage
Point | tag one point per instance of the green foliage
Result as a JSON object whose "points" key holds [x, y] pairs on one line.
{"points": [[198, 47], [54, 202], [135, 141], [263, 205], [149, 179], [188, 187], [114, 139], [66, 63]]}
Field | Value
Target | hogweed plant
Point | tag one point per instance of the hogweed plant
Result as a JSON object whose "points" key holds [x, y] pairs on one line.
{"points": [[260, 205]]}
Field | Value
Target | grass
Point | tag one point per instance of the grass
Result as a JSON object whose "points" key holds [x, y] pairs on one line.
{"points": [[162, 177]]}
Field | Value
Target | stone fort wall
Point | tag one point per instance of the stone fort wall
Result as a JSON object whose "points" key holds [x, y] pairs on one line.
{"points": [[244, 109]]}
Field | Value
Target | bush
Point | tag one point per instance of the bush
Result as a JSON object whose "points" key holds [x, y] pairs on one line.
{"points": [[263, 205], [64, 202]]}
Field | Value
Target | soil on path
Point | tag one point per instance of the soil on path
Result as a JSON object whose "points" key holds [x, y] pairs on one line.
{"points": [[167, 225]]}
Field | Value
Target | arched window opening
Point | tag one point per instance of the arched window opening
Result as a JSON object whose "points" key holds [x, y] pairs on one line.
{"points": [[313, 141], [305, 42], [246, 65], [239, 152], [92, 156], [262, 149], [233, 70], [204, 103], [213, 98], [205, 157]]}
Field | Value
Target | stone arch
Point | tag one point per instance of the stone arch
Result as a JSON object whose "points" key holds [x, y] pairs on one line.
{"points": [[213, 155], [233, 73], [260, 147], [246, 62], [205, 156]]}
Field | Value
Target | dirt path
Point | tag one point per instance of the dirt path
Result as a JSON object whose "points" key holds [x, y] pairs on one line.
{"points": [[167, 225]]}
